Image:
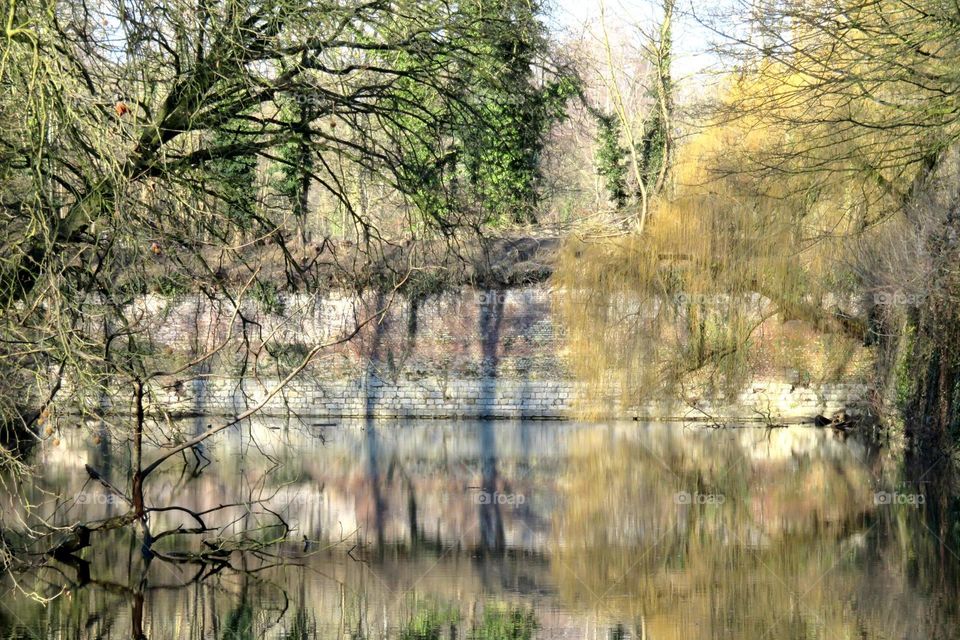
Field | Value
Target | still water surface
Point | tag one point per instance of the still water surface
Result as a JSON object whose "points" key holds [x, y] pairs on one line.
{"points": [[512, 530]]}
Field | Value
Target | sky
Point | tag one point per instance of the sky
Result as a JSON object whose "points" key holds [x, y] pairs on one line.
{"points": [[692, 40]]}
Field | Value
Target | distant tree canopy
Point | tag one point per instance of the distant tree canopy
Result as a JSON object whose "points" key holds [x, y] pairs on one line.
{"points": [[136, 129]]}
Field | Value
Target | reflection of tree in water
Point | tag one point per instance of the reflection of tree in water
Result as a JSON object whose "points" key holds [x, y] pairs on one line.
{"points": [[796, 549], [253, 596], [370, 429], [490, 518]]}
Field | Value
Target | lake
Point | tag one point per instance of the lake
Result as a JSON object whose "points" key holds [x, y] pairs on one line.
{"points": [[503, 530]]}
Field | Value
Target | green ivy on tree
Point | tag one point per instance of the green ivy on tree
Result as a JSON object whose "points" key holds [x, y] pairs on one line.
{"points": [[611, 158], [233, 179], [502, 161], [296, 161]]}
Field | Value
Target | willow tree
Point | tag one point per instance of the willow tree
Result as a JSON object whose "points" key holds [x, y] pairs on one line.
{"points": [[131, 133], [828, 168], [868, 93], [692, 308]]}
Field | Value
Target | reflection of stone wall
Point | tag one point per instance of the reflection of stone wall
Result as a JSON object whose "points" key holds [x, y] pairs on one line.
{"points": [[797, 544], [330, 482], [465, 353]]}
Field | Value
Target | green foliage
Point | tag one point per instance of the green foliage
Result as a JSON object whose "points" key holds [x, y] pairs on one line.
{"points": [[500, 622], [170, 285], [233, 178], [266, 294], [490, 161], [653, 151], [429, 623], [502, 162], [296, 158], [656, 144], [611, 158], [239, 623], [905, 382]]}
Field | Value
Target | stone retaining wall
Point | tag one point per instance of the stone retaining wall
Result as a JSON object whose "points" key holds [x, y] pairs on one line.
{"points": [[467, 353], [507, 399]]}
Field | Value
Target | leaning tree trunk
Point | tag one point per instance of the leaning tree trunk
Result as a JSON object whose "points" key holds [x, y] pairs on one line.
{"points": [[933, 365], [931, 412]]}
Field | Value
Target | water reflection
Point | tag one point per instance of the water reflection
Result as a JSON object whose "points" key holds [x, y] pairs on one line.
{"points": [[601, 531]]}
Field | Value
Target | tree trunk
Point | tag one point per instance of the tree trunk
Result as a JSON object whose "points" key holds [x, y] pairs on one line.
{"points": [[136, 489]]}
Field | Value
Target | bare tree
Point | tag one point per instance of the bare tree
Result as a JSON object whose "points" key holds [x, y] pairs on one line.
{"points": [[133, 140]]}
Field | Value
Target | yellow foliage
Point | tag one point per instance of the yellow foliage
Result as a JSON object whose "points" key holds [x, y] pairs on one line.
{"points": [[745, 239]]}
